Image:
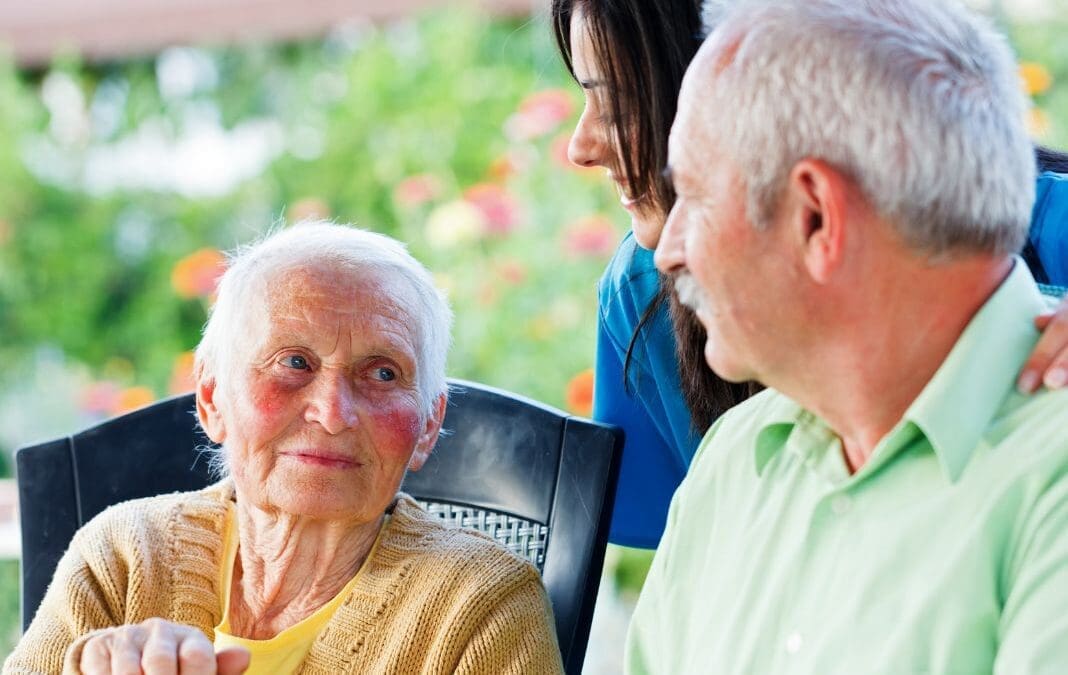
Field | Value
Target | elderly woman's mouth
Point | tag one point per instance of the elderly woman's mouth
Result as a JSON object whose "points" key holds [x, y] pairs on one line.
{"points": [[324, 459]]}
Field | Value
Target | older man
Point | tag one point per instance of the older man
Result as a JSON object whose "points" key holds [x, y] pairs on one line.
{"points": [[852, 177]]}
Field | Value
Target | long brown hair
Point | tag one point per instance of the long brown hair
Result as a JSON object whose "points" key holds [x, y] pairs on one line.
{"points": [[643, 48]]}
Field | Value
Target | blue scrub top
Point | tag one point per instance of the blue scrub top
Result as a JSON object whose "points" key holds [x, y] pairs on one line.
{"points": [[660, 440], [1049, 226]]}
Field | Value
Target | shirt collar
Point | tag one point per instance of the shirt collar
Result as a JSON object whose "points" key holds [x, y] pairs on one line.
{"points": [[957, 405]]}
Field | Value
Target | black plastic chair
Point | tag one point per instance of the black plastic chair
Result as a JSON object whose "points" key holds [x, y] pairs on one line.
{"points": [[538, 480]]}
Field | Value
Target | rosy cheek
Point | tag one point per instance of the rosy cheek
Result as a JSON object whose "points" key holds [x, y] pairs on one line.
{"points": [[399, 425], [270, 396]]}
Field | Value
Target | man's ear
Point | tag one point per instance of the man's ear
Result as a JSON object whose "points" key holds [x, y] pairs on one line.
{"points": [[425, 445], [207, 411], [819, 203]]}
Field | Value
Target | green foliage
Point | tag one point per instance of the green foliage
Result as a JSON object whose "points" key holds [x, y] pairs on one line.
{"points": [[89, 272]]}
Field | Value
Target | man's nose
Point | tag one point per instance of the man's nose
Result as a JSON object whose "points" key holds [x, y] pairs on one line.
{"points": [[671, 249], [333, 403]]}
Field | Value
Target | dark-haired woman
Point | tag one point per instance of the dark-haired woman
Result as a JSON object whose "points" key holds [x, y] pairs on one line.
{"points": [[629, 57]]}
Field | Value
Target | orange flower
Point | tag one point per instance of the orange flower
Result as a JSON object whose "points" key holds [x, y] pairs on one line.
{"points": [[309, 208], [182, 374], [197, 274], [132, 399], [593, 236], [499, 209], [1036, 79], [579, 394]]}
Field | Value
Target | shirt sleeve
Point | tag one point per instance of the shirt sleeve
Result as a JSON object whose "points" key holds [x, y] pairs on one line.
{"points": [[1034, 624]]}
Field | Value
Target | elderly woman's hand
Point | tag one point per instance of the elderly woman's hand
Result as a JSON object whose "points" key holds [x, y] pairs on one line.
{"points": [[157, 647], [1048, 363]]}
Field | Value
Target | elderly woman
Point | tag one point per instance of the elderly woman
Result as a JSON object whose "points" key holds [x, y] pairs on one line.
{"points": [[321, 374]]}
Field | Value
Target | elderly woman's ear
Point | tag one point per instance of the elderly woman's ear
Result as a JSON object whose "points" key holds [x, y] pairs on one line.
{"points": [[425, 446], [207, 412]]}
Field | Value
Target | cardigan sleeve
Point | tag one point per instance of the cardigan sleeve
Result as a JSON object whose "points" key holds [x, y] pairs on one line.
{"points": [[516, 636], [78, 601]]}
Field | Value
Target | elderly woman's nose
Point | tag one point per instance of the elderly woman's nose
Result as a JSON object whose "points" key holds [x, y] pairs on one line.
{"points": [[587, 146], [333, 404]]}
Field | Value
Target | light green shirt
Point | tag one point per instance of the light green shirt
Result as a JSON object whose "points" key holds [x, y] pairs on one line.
{"points": [[946, 553]]}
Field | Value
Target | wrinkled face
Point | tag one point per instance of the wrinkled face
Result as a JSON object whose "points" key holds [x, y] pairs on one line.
{"points": [[597, 139], [726, 269], [320, 414]]}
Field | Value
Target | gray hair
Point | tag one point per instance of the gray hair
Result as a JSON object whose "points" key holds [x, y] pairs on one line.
{"points": [[918, 100], [349, 250]]}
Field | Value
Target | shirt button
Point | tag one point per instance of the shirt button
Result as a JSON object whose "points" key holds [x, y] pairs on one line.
{"points": [[841, 505], [793, 643]]}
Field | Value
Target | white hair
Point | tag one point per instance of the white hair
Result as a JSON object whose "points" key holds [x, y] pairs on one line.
{"points": [[918, 100], [348, 250]]}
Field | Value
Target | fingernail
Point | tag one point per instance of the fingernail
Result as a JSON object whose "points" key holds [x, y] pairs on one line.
{"points": [[1057, 378], [1028, 381]]}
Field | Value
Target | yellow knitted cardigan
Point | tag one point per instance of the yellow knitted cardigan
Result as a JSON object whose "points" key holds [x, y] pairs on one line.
{"points": [[432, 598]]}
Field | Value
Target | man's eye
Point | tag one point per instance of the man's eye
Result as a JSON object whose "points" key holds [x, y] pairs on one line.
{"points": [[385, 374], [296, 362]]}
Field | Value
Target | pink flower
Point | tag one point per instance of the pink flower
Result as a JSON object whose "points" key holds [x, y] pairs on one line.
{"points": [[539, 114], [498, 207], [100, 397], [417, 190], [511, 270], [593, 236]]}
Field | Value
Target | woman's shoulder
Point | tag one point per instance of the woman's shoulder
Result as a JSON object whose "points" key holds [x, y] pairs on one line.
{"points": [[630, 275]]}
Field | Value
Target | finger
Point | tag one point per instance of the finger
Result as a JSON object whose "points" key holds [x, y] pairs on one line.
{"points": [[232, 661], [1043, 320], [196, 655], [160, 655], [1048, 362], [96, 655], [126, 646]]}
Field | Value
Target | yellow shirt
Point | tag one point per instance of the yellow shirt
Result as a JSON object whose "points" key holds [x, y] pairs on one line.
{"points": [[285, 652]]}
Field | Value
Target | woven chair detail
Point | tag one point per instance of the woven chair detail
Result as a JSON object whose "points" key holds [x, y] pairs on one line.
{"points": [[523, 537]]}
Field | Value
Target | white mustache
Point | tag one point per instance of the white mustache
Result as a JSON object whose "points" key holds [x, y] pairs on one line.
{"points": [[690, 294]]}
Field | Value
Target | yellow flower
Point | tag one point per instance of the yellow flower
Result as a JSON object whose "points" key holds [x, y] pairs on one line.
{"points": [[1036, 79], [1038, 124], [454, 224]]}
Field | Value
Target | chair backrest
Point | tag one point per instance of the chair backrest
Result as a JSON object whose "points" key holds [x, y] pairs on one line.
{"points": [[536, 479]]}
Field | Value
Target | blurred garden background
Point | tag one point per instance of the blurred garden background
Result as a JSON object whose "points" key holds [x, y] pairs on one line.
{"points": [[122, 181]]}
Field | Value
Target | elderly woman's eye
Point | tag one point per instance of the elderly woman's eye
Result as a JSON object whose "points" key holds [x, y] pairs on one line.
{"points": [[385, 374], [295, 361]]}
